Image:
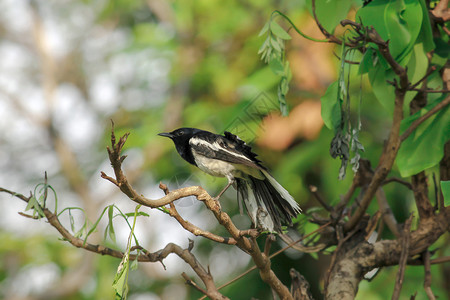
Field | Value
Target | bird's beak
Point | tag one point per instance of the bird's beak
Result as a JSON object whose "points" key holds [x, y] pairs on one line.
{"points": [[166, 134]]}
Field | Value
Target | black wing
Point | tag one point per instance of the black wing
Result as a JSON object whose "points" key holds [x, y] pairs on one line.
{"points": [[229, 148]]}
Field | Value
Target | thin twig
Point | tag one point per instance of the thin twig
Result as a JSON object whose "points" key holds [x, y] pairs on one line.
{"points": [[313, 189], [269, 240], [347, 61], [436, 261], [192, 283], [428, 91], [423, 118], [197, 231], [386, 212], [399, 180], [403, 258], [427, 281], [428, 73]]}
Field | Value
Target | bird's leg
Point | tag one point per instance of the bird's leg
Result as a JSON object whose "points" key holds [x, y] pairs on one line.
{"points": [[230, 182]]}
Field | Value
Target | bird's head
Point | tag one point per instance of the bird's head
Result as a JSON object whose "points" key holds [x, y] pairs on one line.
{"points": [[180, 138], [180, 135]]}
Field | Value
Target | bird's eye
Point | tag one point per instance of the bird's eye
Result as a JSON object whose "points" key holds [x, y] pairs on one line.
{"points": [[180, 133]]}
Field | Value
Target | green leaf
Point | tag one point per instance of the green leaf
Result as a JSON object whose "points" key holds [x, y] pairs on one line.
{"points": [[423, 149], [416, 68], [385, 92], [441, 54], [367, 62], [140, 213], [276, 44], [276, 66], [134, 264], [314, 255], [31, 203], [331, 107], [111, 232], [279, 31], [330, 12], [445, 188], [426, 33], [283, 88], [120, 284], [264, 45], [96, 223], [401, 23], [264, 29]]}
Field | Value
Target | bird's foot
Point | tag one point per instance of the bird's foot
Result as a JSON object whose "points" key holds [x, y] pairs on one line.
{"points": [[216, 200], [250, 232]]}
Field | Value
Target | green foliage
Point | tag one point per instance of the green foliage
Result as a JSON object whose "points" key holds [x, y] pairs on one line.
{"points": [[272, 52], [331, 107], [406, 25], [330, 12], [120, 284], [83, 229], [400, 24], [445, 187], [38, 199], [109, 230], [423, 148]]}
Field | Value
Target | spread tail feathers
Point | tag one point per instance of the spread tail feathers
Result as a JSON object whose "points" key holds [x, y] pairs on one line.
{"points": [[267, 203]]}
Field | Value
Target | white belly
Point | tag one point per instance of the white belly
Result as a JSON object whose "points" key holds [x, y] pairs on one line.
{"points": [[214, 167], [220, 168]]}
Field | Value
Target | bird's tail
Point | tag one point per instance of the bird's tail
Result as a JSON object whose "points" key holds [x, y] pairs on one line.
{"points": [[268, 204]]}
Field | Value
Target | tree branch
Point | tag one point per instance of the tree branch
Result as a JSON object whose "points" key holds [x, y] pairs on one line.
{"points": [[405, 240], [427, 281], [401, 181], [157, 256], [425, 117], [191, 227], [355, 262], [386, 211]]}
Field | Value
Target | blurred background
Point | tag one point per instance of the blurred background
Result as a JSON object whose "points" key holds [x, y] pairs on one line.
{"points": [[69, 67]]}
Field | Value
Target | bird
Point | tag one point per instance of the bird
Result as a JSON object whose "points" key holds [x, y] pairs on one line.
{"points": [[268, 204]]}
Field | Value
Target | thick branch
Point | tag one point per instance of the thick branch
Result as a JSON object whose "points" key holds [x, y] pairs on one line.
{"points": [[299, 286], [351, 267], [262, 262]]}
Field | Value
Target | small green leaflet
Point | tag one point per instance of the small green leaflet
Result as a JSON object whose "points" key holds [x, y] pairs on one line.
{"points": [[279, 31], [331, 107], [445, 188], [120, 284]]}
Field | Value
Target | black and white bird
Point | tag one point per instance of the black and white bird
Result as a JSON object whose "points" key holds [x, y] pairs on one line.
{"points": [[268, 204]]}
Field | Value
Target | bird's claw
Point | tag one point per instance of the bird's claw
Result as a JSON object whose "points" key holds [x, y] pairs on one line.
{"points": [[216, 200]]}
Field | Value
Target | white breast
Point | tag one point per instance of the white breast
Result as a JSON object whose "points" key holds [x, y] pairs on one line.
{"points": [[214, 167]]}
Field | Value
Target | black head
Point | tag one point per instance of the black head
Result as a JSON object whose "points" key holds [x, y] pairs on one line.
{"points": [[180, 138]]}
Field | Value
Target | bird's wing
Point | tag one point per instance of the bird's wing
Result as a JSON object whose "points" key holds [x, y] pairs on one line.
{"points": [[227, 148]]}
